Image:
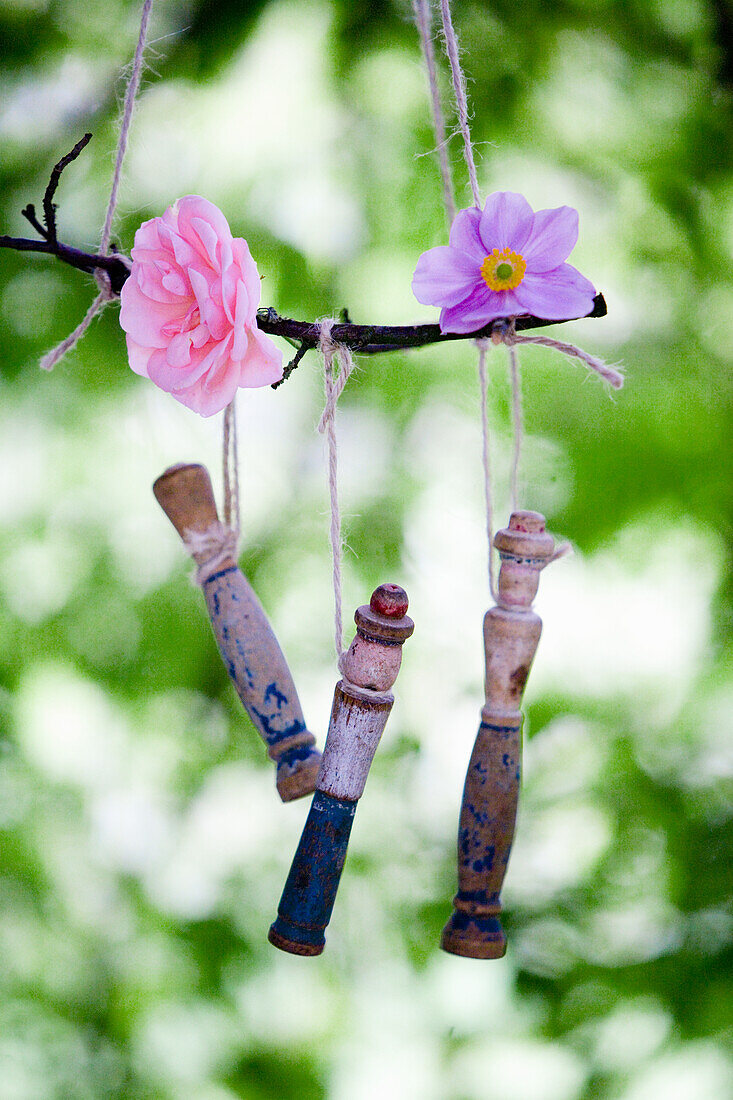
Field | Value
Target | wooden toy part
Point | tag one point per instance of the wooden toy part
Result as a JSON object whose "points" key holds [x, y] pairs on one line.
{"points": [[489, 809], [185, 494], [246, 641], [361, 706]]}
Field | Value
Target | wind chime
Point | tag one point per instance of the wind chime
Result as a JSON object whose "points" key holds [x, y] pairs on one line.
{"points": [[190, 297]]}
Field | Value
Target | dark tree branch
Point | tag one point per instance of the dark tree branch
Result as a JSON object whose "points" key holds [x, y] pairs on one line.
{"points": [[49, 208], [376, 339], [82, 261], [363, 339], [30, 213]]}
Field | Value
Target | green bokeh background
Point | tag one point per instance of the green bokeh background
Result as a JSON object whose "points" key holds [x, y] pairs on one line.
{"points": [[142, 847]]}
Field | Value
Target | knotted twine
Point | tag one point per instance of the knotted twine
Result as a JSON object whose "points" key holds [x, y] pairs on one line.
{"points": [[106, 294], [334, 352], [219, 542]]}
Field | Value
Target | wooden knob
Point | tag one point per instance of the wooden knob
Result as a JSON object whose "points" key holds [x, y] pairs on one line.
{"points": [[390, 601], [185, 494], [373, 658]]}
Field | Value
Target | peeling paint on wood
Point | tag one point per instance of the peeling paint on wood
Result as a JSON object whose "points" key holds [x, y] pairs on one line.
{"points": [[246, 641], [488, 813], [361, 706]]}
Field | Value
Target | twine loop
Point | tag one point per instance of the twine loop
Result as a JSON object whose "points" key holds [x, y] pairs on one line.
{"points": [[331, 349], [210, 548], [334, 352], [504, 332], [106, 294]]}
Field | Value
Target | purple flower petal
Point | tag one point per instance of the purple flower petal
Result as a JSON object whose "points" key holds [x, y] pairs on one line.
{"points": [[464, 234], [444, 277], [552, 239], [506, 221], [481, 307], [557, 295]]}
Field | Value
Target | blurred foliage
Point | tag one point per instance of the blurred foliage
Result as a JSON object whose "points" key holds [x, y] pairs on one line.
{"points": [[142, 846]]}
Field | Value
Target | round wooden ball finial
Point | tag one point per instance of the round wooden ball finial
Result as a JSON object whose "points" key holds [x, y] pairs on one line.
{"points": [[389, 600], [529, 522]]}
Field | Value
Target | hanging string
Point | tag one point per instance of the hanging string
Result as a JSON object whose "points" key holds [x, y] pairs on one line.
{"points": [[230, 469], [518, 421], [334, 384], [51, 358], [423, 20], [459, 89], [486, 460], [129, 107], [506, 334]]}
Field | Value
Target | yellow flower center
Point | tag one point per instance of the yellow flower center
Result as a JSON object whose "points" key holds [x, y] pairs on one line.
{"points": [[503, 269]]}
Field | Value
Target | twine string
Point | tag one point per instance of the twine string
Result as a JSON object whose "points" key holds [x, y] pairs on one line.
{"points": [[459, 91], [52, 357], [334, 352], [133, 86], [486, 461], [106, 295], [459, 87], [518, 422], [210, 548], [461, 101], [230, 469], [505, 333], [423, 19]]}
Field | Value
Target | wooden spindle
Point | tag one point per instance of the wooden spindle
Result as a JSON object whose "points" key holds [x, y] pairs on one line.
{"points": [[246, 640], [488, 814], [361, 705]]}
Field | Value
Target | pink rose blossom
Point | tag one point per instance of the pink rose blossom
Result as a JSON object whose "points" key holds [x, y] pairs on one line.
{"points": [[502, 262], [189, 306]]}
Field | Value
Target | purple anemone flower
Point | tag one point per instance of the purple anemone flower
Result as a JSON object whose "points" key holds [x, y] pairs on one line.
{"points": [[503, 261]]}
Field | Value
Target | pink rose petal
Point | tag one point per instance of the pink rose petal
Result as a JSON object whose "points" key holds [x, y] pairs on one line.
{"points": [[189, 309]]}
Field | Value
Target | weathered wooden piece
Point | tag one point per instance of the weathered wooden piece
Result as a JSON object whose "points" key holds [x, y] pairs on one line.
{"points": [[488, 814], [248, 646], [361, 705]]}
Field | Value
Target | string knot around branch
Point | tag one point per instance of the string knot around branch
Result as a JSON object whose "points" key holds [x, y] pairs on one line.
{"points": [[504, 332], [335, 382]]}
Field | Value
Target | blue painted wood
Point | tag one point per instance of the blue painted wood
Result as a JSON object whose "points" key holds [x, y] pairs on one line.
{"points": [[310, 890], [485, 834], [260, 674]]}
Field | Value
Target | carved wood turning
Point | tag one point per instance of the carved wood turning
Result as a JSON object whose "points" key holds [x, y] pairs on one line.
{"points": [[246, 640], [488, 813], [361, 705]]}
